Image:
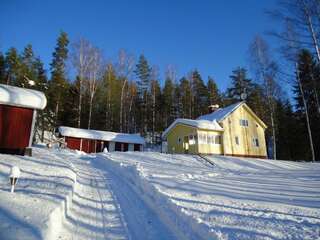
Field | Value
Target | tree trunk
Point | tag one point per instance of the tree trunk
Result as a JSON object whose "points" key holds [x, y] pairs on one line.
{"points": [[306, 113], [121, 105], [79, 108], [90, 111]]}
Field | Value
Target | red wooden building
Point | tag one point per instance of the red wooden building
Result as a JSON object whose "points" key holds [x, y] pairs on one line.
{"points": [[17, 118], [92, 141]]}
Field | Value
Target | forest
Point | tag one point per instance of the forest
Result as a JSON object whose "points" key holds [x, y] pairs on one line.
{"points": [[129, 94]]}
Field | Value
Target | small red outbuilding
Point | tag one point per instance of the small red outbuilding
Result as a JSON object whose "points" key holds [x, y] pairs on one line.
{"points": [[17, 117]]}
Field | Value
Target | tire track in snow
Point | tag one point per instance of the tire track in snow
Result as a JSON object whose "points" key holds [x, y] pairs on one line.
{"points": [[143, 222], [93, 212]]}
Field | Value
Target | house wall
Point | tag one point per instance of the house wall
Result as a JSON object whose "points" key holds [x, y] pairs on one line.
{"points": [[232, 128], [209, 148], [180, 131], [73, 143], [15, 128]]}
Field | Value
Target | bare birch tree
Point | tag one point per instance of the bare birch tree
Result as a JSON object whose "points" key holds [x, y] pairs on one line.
{"points": [[81, 59], [94, 74], [290, 50], [125, 66], [304, 17], [266, 70]]}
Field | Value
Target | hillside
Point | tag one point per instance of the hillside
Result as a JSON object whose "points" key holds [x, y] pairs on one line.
{"points": [[65, 194]]}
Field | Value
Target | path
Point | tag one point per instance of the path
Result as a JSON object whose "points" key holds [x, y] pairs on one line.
{"points": [[105, 207], [94, 213]]}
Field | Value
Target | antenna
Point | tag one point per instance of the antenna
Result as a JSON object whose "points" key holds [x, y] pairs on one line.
{"points": [[243, 95]]}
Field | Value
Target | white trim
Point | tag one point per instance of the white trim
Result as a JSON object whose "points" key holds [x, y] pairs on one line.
{"points": [[34, 116]]}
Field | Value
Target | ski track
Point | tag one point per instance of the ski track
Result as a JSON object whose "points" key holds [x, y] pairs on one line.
{"points": [[104, 206]]}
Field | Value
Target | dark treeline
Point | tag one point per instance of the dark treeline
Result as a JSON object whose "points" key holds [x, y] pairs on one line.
{"points": [[128, 95]]}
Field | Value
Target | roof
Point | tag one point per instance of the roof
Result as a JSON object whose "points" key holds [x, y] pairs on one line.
{"points": [[201, 124], [101, 135], [222, 113], [22, 97]]}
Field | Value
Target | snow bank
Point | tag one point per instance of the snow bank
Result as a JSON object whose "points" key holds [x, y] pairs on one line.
{"points": [[42, 194], [101, 135], [236, 199], [22, 97]]}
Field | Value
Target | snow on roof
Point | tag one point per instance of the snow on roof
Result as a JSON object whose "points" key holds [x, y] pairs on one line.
{"points": [[22, 97], [202, 124], [101, 135], [221, 113]]}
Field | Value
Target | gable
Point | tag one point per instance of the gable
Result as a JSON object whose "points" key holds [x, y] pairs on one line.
{"points": [[249, 111]]}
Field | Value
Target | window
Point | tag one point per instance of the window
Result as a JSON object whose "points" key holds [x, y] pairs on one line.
{"points": [[237, 140], [191, 140], [218, 139], [179, 140], [255, 142], [244, 122]]}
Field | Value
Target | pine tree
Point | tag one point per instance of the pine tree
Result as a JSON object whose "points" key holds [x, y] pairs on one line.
{"points": [[13, 67], [214, 94], [28, 69], [58, 84], [200, 95], [2, 69], [240, 84], [143, 73], [305, 98], [186, 97], [168, 98]]}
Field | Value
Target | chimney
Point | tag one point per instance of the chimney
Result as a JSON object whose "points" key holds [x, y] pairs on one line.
{"points": [[213, 108]]}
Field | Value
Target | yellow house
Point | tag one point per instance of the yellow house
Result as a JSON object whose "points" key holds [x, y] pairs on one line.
{"points": [[234, 131]]}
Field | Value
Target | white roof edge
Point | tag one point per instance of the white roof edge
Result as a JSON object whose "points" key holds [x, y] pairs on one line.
{"points": [[201, 124], [101, 135], [22, 97]]}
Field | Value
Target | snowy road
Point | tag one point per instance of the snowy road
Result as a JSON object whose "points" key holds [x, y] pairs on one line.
{"points": [[105, 207]]}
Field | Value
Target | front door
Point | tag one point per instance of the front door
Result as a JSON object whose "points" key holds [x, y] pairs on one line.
{"points": [[186, 144]]}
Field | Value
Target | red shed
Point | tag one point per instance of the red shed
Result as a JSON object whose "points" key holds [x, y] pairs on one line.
{"points": [[17, 117], [92, 141]]}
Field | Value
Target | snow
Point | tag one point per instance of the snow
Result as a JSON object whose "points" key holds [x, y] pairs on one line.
{"points": [[22, 97], [221, 113], [65, 194], [234, 199], [202, 124], [15, 172], [101, 135]]}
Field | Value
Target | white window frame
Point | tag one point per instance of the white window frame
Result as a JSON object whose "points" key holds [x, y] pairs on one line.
{"points": [[255, 142], [244, 122], [220, 139]]}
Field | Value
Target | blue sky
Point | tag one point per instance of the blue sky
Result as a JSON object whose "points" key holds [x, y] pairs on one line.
{"points": [[210, 35]]}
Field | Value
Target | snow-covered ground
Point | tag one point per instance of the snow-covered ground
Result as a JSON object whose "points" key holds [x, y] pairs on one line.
{"points": [[234, 199], [65, 195]]}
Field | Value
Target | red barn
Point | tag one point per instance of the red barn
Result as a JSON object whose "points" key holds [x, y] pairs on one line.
{"points": [[92, 141], [17, 118]]}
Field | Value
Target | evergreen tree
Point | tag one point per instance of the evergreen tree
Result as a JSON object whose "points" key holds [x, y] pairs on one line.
{"points": [[12, 66], [214, 95], [308, 71], [2, 69], [240, 84], [143, 73], [58, 85], [186, 97], [28, 69], [168, 99], [200, 95]]}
